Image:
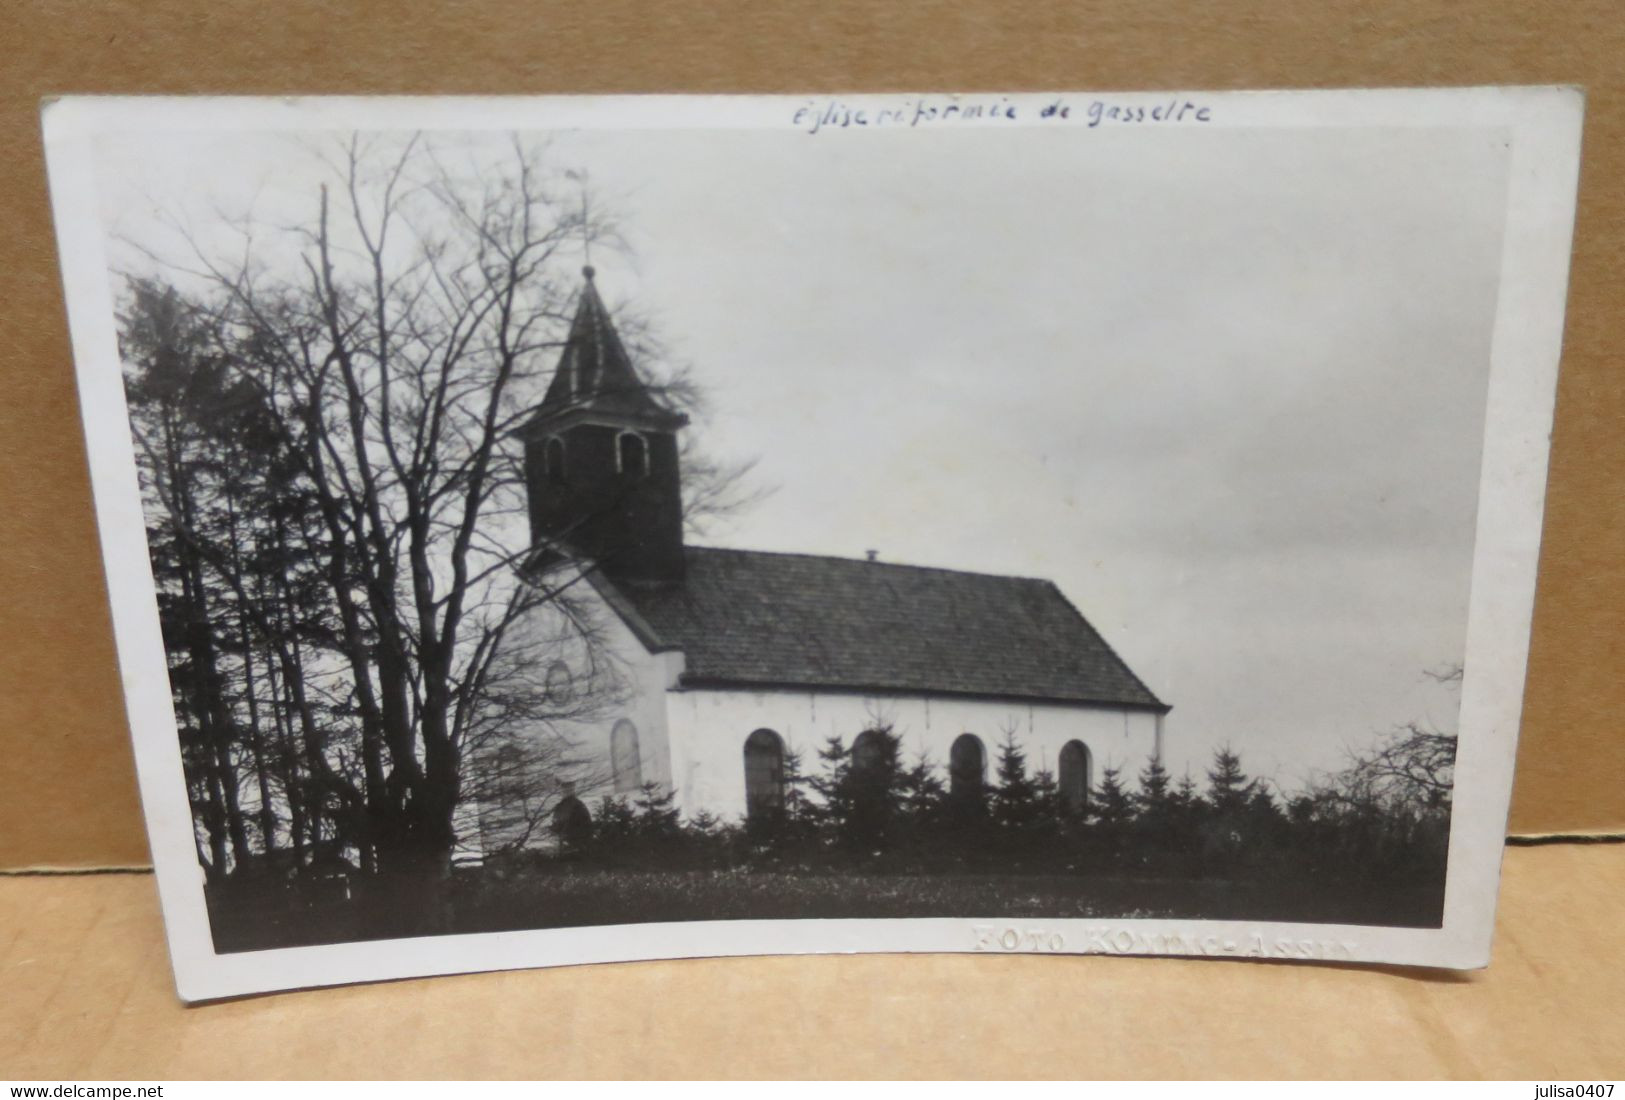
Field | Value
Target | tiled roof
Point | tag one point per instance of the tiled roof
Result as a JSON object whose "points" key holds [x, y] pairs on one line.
{"points": [[744, 617]]}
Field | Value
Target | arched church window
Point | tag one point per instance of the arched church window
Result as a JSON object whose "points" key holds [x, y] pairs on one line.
{"points": [[572, 822], [553, 458], [764, 775], [632, 455], [868, 751], [1074, 780], [560, 685], [624, 761], [967, 766]]}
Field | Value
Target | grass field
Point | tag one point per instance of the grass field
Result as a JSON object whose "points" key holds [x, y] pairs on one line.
{"points": [[566, 897]]}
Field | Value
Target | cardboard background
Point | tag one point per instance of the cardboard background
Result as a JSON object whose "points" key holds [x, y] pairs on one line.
{"points": [[67, 791], [88, 997]]}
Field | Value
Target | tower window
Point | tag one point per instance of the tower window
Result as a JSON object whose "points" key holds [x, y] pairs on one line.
{"points": [[632, 455], [553, 459]]}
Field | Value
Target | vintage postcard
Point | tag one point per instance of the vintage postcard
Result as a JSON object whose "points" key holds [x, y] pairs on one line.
{"points": [[549, 531]]}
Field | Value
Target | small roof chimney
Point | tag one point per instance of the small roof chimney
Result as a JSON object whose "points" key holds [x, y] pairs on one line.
{"points": [[872, 555]]}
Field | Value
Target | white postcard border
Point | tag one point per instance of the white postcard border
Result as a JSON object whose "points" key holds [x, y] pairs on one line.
{"points": [[1543, 128]]}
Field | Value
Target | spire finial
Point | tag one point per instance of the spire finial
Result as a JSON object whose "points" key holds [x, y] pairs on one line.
{"points": [[588, 272], [580, 176], [586, 228]]}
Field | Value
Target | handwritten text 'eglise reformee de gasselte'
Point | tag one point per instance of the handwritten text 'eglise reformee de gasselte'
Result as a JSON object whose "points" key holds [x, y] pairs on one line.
{"points": [[815, 116]]}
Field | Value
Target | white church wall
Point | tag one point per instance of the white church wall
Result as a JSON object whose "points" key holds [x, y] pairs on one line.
{"points": [[692, 741], [638, 694], [644, 677], [708, 729]]}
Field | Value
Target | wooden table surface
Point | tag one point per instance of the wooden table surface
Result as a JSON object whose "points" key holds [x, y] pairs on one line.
{"points": [[87, 996]]}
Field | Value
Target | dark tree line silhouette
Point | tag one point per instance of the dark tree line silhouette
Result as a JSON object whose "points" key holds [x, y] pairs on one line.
{"points": [[1383, 817], [870, 834]]}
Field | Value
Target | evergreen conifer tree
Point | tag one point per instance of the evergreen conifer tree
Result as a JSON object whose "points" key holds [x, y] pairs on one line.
{"points": [[800, 814], [1113, 809], [1184, 801], [863, 790], [833, 786], [924, 794], [1047, 796], [1156, 789], [1228, 788], [1155, 806], [654, 812], [1015, 799]]}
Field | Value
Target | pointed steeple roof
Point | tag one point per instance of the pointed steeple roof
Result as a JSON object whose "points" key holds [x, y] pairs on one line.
{"points": [[595, 377]]}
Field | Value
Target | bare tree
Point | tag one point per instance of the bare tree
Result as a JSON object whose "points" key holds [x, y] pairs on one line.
{"points": [[1414, 766], [385, 351], [1390, 806]]}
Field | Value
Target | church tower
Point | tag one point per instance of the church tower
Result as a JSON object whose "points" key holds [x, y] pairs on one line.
{"points": [[601, 458]]}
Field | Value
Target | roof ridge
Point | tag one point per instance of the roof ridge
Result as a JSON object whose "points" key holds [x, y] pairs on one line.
{"points": [[866, 561]]}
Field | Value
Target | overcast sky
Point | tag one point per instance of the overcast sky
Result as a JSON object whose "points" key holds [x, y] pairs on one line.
{"points": [[1225, 387]]}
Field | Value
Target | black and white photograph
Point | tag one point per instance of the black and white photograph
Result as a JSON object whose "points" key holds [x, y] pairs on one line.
{"points": [[1034, 522]]}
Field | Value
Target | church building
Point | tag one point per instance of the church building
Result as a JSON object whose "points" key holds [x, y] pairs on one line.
{"points": [[724, 660]]}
